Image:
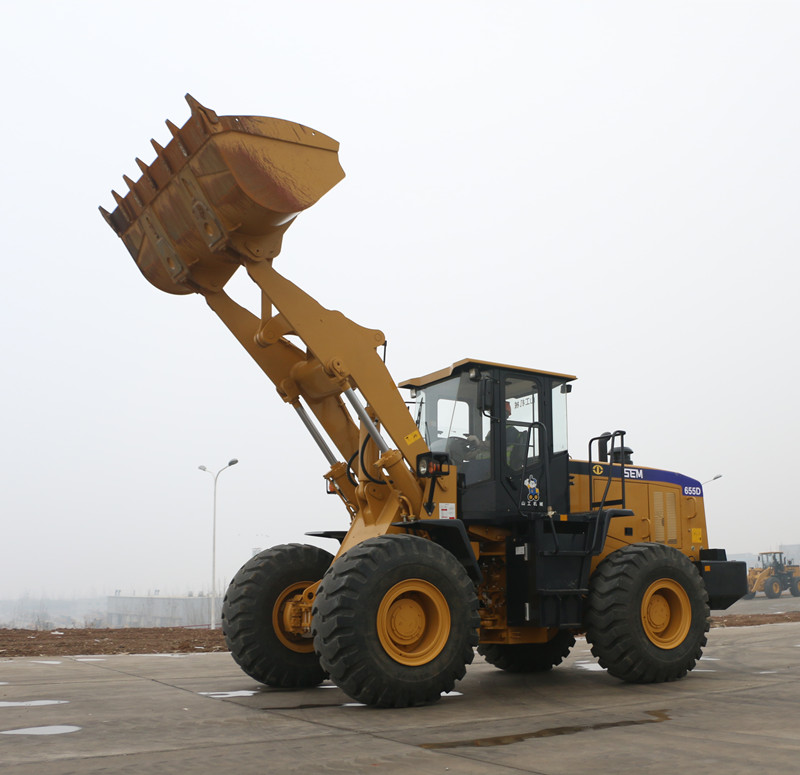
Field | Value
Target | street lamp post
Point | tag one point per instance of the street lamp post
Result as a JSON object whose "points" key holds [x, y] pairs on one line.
{"points": [[212, 616], [713, 479]]}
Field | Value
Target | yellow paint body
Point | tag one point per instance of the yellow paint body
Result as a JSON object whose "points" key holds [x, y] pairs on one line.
{"points": [[662, 514], [219, 197]]}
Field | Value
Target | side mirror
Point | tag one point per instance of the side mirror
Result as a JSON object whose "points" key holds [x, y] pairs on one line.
{"points": [[486, 396]]}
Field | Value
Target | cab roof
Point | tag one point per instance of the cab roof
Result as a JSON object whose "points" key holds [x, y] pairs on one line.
{"points": [[463, 365]]}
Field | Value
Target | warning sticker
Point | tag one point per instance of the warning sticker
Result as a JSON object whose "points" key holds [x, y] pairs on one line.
{"points": [[412, 437], [447, 511]]}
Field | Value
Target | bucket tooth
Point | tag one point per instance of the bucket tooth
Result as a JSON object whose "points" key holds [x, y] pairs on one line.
{"points": [[197, 108], [163, 168], [161, 154], [132, 186], [120, 220], [146, 174], [124, 206], [176, 134]]}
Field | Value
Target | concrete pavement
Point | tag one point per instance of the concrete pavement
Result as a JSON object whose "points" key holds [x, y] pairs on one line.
{"points": [[200, 714]]}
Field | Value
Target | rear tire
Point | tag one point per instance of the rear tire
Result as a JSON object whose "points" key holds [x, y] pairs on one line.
{"points": [[252, 616], [772, 587], [528, 657], [648, 614], [794, 586], [395, 621]]}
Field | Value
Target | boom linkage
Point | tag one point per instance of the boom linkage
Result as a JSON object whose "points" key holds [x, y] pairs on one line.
{"points": [[340, 356]]}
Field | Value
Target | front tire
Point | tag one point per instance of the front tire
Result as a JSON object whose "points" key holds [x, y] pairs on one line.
{"points": [[252, 616], [395, 621], [528, 657], [772, 587], [794, 586], [648, 614]]}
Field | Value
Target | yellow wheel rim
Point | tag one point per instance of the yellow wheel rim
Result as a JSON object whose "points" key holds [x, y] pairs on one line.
{"points": [[413, 622], [282, 622], [666, 613]]}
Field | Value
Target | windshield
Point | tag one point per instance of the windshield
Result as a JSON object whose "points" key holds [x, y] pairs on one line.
{"points": [[448, 416], [449, 410]]}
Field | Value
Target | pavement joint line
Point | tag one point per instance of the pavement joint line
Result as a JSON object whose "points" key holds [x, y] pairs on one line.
{"points": [[463, 754], [382, 737]]}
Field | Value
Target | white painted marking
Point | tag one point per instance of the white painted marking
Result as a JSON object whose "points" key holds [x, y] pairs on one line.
{"points": [[54, 730], [32, 703], [589, 666], [90, 659], [46, 661], [227, 695]]}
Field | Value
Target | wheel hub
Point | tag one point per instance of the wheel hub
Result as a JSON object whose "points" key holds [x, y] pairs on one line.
{"points": [[413, 622], [666, 613], [286, 619], [658, 613], [406, 621]]}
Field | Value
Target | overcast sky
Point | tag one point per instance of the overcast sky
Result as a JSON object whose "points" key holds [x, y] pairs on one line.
{"points": [[607, 189]]}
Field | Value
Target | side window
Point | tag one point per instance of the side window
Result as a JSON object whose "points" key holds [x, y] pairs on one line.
{"points": [[559, 418], [522, 410]]}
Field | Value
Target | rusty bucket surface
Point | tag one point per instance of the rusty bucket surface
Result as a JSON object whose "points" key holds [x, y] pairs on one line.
{"points": [[223, 190]]}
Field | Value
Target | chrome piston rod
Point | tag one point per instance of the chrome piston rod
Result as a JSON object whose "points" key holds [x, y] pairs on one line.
{"points": [[315, 434], [366, 420]]}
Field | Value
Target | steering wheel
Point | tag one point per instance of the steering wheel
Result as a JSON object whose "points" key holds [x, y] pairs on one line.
{"points": [[458, 447]]}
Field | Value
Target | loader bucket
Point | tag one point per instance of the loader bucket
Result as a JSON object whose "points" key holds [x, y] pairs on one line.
{"points": [[223, 191]]}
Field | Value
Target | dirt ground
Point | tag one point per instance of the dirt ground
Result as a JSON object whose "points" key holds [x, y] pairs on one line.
{"points": [[171, 640], [135, 640]]}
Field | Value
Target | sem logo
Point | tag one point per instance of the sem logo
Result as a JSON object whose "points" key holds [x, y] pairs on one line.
{"points": [[634, 473], [597, 470]]}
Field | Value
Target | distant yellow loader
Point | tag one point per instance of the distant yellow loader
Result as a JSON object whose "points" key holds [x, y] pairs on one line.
{"points": [[774, 574]]}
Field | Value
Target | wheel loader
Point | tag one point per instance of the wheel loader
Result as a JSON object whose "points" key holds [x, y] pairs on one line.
{"points": [[774, 574], [469, 524]]}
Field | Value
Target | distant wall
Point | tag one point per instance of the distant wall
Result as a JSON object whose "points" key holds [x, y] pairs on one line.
{"points": [[750, 559], [156, 611], [31, 613]]}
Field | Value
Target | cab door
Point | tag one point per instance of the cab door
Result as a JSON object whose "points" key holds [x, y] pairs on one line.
{"points": [[522, 444]]}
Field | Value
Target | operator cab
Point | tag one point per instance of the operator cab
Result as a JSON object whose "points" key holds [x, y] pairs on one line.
{"points": [[505, 428]]}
